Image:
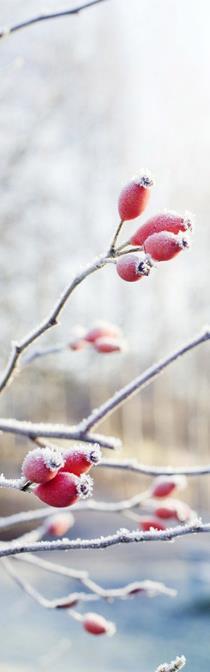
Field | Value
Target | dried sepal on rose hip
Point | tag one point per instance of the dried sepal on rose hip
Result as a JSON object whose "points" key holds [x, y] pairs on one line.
{"points": [[59, 524], [164, 246], [134, 196], [163, 486], [42, 464], [79, 460], [149, 523], [133, 267], [108, 345], [96, 624], [64, 490], [102, 329], [163, 221]]}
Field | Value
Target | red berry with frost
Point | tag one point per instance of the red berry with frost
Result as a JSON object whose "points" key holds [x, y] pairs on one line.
{"points": [[163, 486], [134, 196], [164, 221], [42, 464], [59, 524], [133, 267], [164, 246], [102, 330], [107, 345], [64, 490], [97, 625], [79, 460], [174, 509], [147, 524]]}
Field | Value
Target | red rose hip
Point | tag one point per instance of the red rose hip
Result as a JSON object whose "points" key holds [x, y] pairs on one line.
{"points": [[134, 196], [102, 330], [64, 490], [132, 267], [97, 625], [147, 524], [164, 221], [164, 246], [79, 460], [42, 464], [163, 486]]}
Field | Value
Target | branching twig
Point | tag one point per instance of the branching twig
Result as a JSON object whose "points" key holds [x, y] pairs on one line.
{"points": [[122, 536], [50, 321], [45, 16], [55, 431], [141, 381]]}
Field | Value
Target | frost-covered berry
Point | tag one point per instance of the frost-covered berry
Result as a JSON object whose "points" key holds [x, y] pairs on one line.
{"points": [[174, 509], [134, 196], [133, 267], [163, 221], [64, 490], [59, 524], [163, 486], [149, 523], [79, 460], [98, 625], [102, 330], [42, 464], [77, 344], [164, 246], [107, 345]]}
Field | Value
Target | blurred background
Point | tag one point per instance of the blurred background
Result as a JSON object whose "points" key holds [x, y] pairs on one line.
{"points": [[86, 102]]}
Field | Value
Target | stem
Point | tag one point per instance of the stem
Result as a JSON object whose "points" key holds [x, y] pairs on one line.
{"points": [[114, 240], [57, 431], [141, 381], [51, 321], [46, 16], [134, 466]]}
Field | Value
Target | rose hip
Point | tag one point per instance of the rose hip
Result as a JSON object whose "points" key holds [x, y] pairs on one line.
{"points": [[164, 221], [134, 196]]}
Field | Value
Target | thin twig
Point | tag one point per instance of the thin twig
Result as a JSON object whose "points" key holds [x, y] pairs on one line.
{"points": [[50, 321], [122, 536], [138, 468], [174, 666], [141, 381], [152, 588], [45, 16], [55, 431]]}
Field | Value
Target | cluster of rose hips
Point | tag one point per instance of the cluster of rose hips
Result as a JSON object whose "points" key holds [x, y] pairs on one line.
{"points": [[159, 237], [169, 509], [104, 337], [60, 476]]}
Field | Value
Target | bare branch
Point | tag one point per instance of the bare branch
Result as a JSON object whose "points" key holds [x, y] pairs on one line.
{"points": [[14, 483], [50, 321], [122, 536], [137, 468], [45, 16], [55, 431], [141, 381]]}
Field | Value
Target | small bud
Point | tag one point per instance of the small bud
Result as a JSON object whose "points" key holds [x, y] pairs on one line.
{"points": [[134, 197], [98, 625], [42, 464]]}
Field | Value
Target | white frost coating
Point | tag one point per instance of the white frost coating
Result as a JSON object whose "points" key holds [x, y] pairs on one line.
{"points": [[15, 483], [52, 458], [174, 666]]}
